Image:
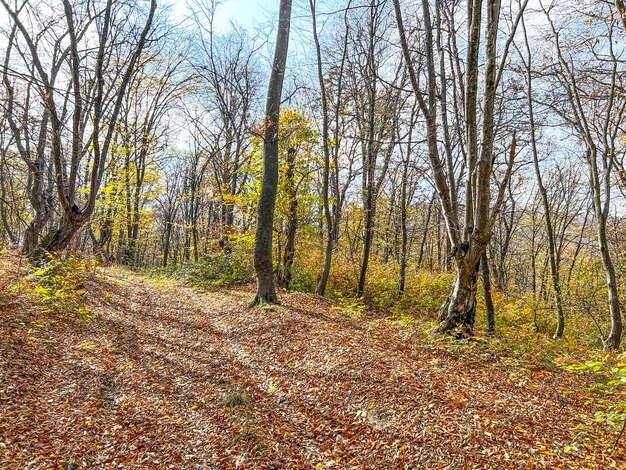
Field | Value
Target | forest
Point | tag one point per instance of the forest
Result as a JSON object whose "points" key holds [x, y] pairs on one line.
{"points": [[312, 234]]}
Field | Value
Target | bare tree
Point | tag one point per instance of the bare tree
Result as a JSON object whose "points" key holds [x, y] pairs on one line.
{"points": [[93, 98], [263, 266], [595, 107], [552, 252], [227, 88], [470, 239]]}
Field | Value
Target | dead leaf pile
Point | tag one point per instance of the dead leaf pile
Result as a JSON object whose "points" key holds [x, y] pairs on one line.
{"points": [[171, 377]]}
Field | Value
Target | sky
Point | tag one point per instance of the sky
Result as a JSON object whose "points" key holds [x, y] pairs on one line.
{"points": [[245, 13]]}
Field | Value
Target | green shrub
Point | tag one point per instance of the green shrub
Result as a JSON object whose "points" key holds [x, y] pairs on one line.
{"points": [[424, 293], [215, 269], [58, 286]]}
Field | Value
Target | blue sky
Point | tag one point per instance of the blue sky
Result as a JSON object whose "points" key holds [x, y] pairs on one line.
{"points": [[245, 13]]}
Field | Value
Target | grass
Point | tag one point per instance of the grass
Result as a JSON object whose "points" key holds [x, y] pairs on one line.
{"points": [[235, 397]]}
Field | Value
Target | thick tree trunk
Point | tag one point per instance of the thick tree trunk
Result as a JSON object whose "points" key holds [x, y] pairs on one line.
{"points": [[40, 204], [266, 292], [459, 310], [32, 233], [59, 239]]}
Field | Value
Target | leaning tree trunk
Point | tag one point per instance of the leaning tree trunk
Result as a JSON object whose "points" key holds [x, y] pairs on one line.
{"points": [[263, 266]]}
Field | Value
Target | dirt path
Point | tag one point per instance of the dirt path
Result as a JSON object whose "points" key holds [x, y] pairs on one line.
{"points": [[144, 386]]}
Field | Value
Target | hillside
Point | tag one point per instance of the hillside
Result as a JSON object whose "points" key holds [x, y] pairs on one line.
{"points": [[166, 376]]}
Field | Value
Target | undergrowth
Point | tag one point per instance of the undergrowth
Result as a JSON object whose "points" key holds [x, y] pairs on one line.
{"points": [[525, 323], [522, 341], [56, 287], [210, 271]]}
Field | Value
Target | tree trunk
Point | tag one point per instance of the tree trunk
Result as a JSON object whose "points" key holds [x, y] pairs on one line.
{"points": [[460, 307], [167, 242], [40, 203], [284, 278], [322, 281], [59, 239], [490, 311], [425, 232], [403, 228], [32, 233], [368, 234], [613, 341], [266, 292], [552, 252]]}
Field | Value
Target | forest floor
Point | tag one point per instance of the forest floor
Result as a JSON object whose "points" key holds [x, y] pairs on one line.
{"points": [[166, 376]]}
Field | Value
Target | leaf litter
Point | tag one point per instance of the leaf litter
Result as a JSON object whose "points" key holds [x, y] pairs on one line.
{"points": [[167, 376]]}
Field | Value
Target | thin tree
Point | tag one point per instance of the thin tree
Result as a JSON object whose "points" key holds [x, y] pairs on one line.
{"points": [[599, 131], [263, 265], [552, 251]]}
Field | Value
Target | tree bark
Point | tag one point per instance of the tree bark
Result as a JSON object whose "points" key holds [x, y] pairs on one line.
{"points": [[460, 307], [285, 276], [263, 266], [490, 311], [403, 220], [322, 281]]}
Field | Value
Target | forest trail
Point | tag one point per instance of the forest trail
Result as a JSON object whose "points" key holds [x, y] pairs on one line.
{"points": [[148, 384]]}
